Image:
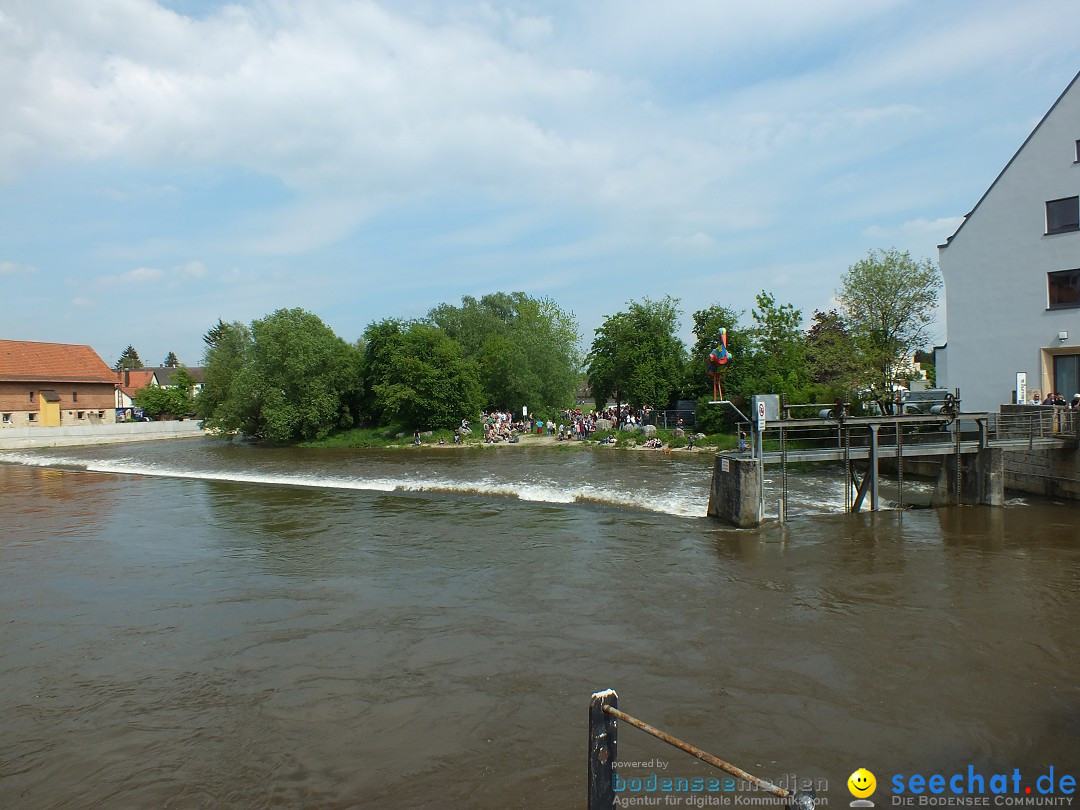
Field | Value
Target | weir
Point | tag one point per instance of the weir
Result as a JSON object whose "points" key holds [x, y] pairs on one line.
{"points": [[967, 448]]}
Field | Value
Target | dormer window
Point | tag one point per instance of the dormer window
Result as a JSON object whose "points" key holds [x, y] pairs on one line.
{"points": [[1063, 215]]}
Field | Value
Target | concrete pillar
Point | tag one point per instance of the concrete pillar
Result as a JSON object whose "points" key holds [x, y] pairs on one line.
{"points": [[982, 479], [735, 496]]}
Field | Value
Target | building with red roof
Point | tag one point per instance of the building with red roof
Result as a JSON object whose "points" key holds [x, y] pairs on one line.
{"points": [[52, 384]]}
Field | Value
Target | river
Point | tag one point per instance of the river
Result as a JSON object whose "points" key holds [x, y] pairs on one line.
{"points": [[199, 624]]}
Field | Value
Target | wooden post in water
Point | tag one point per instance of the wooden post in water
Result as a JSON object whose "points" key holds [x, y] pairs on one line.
{"points": [[603, 744]]}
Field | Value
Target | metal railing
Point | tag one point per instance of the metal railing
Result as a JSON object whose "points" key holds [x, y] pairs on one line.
{"points": [[1035, 421], [604, 715], [670, 419]]}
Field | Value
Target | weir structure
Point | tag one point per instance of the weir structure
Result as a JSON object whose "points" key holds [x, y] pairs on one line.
{"points": [[965, 451]]}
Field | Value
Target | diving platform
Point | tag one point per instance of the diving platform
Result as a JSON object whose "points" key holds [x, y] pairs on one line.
{"points": [[729, 405]]}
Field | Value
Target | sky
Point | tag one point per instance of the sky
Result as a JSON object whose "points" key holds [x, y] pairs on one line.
{"points": [[166, 164]]}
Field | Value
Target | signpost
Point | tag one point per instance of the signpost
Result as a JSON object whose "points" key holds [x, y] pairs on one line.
{"points": [[1021, 388]]}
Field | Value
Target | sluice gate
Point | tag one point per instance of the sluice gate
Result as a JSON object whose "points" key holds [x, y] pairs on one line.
{"points": [[967, 449]]}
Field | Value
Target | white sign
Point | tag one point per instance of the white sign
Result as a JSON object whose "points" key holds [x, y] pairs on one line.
{"points": [[1021, 388], [761, 415], [524, 410], [725, 465]]}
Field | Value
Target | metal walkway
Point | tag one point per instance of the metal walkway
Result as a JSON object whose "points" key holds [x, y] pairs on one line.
{"points": [[869, 439]]}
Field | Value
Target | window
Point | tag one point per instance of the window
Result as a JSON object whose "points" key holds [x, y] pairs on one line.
{"points": [[1077, 152], [74, 396], [1064, 289], [82, 414], [7, 418], [31, 396], [1063, 215], [32, 416]]}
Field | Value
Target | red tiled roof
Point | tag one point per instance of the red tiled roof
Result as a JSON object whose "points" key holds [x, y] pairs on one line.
{"points": [[26, 361], [132, 381]]}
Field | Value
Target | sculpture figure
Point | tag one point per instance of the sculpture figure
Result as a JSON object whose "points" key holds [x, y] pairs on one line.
{"points": [[718, 363]]}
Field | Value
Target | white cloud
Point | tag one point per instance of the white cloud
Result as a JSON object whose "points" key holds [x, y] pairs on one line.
{"points": [[191, 270], [140, 275], [16, 269], [695, 242], [918, 231]]}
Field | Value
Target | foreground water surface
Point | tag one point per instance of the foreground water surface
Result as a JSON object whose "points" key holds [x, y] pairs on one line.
{"points": [[191, 624]]}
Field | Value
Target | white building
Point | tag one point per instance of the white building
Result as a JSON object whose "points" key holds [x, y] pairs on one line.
{"points": [[1012, 272]]}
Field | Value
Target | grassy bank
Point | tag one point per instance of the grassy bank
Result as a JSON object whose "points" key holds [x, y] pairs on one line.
{"points": [[397, 437]]}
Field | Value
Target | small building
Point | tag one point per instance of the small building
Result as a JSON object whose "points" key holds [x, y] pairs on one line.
{"points": [[130, 383], [53, 384], [163, 377], [1012, 273]]}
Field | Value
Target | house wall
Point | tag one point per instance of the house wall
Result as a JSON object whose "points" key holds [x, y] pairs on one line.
{"points": [[995, 270], [80, 403]]}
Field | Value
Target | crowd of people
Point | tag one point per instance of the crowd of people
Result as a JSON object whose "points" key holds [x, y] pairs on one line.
{"points": [[572, 424], [1056, 399]]}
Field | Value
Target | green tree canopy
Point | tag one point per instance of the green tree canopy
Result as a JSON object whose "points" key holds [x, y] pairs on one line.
{"points": [[129, 360], [771, 355], [294, 382], [832, 356], [227, 347], [887, 300], [419, 377], [636, 356], [156, 401], [526, 348]]}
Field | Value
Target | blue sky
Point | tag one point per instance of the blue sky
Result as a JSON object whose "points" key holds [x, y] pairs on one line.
{"points": [[163, 165]]}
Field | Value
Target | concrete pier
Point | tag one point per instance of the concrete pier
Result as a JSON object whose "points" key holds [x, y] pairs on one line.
{"points": [[735, 496], [982, 479]]}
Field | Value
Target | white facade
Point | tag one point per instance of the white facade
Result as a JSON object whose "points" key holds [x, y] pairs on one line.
{"points": [[1008, 293]]}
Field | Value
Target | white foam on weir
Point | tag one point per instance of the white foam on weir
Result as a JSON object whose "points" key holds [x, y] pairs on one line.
{"points": [[679, 505]]}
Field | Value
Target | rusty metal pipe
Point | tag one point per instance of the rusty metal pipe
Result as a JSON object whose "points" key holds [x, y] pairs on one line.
{"points": [[704, 756]]}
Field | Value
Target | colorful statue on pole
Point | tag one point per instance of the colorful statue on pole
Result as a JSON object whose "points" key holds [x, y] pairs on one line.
{"points": [[718, 363]]}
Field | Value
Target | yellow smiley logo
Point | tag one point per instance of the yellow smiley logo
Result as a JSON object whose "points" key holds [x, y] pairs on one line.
{"points": [[861, 783]]}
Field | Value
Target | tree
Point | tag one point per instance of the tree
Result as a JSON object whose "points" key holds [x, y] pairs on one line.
{"points": [[636, 355], [888, 301], [420, 378], [170, 361], [381, 340], [129, 360], [926, 361], [831, 353], [293, 382], [227, 347], [526, 348], [777, 362], [156, 401], [184, 380]]}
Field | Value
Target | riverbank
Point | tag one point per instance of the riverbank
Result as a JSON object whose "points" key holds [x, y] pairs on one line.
{"points": [[384, 439], [23, 438]]}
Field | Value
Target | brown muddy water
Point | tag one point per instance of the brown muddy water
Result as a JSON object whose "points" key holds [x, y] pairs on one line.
{"points": [[188, 624]]}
